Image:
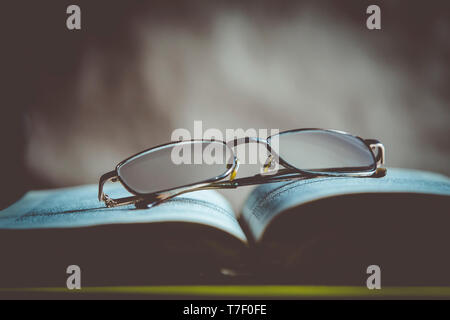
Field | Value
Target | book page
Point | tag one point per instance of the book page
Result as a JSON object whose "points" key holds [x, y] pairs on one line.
{"points": [[79, 207], [268, 201]]}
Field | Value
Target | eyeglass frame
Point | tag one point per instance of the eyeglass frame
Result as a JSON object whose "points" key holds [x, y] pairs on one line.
{"points": [[288, 173]]}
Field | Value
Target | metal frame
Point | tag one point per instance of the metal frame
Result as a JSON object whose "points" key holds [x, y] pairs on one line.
{"points": [[286, 174]]}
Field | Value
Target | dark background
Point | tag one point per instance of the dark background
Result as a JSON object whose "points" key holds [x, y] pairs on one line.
{"points": [[74, 103]]}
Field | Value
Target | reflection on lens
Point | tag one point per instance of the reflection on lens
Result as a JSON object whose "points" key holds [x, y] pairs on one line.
{"points": [[325, 151], [175, 165]]}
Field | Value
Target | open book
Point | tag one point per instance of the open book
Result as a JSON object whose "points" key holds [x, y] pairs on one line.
{"points": [[324, 230]]}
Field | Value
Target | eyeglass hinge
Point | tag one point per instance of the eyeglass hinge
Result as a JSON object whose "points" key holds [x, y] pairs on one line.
{"points": [[109, 201]]}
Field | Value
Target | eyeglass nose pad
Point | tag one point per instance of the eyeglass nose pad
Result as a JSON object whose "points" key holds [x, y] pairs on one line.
{"points": [[268, 164], [235, 170]]}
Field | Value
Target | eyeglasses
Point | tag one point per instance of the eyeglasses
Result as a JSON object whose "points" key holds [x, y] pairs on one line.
{"points": [[171, 169]]}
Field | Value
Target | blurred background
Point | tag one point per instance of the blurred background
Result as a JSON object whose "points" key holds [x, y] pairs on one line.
{"points": [[75, 103]]}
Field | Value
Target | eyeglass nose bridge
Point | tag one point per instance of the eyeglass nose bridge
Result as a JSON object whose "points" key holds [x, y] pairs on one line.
{"points": [[239, 141]]}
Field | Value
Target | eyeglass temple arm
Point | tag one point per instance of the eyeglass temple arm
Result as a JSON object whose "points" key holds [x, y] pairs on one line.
{"points": [[282, 175], [110, 202]]}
